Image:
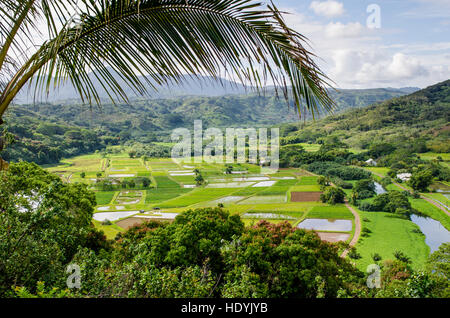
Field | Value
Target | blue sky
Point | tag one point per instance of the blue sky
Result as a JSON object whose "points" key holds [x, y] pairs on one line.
{"points": [[411, 47]]}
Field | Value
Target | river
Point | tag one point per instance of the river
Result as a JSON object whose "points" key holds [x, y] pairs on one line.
{"points": [[435, 232]]}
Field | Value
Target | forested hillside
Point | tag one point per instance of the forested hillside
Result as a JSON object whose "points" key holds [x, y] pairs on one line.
{"points": [[421, 119], [45, 133]]}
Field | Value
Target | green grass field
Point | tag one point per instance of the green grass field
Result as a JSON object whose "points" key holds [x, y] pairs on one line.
{"points": [[197, 196], [380, 170], [439, 197], [305, 188], [156, 195], [274, 190], [434, 155], [308, 180], [330, 212], [165, 182], [110, 230], [104, 197], [390, 234]]}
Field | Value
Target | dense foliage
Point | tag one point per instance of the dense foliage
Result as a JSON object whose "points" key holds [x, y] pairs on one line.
{"points": [[43, 222]]}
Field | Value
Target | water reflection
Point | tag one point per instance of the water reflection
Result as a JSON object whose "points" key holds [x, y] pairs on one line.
{"points": [[435, 232]]}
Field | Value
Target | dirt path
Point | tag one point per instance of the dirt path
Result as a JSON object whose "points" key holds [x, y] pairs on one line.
{"points": [[357, 228], [431, 201]]}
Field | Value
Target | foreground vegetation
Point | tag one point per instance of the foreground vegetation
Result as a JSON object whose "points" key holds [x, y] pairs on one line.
{"points": [[145, 226], [203, 253]]}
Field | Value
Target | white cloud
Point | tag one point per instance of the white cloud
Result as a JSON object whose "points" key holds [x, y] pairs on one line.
{"points": [[354, 56], [359, 68], [329, 8], [403, 67], [338, 29]]}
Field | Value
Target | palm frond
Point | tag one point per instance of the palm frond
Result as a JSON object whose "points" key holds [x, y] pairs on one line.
{"points": [[142, 42]]}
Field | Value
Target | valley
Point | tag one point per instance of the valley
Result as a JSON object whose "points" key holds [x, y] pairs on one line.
{"points": [[291, 195]]}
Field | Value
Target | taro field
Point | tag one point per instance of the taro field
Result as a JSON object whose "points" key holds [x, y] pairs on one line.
{"points": [[290, 195]]}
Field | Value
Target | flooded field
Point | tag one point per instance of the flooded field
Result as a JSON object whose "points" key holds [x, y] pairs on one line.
{"points": [[326, 225]]}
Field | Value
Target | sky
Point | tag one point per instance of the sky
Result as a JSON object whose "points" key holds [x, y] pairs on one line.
{"points": [[406, 45]]}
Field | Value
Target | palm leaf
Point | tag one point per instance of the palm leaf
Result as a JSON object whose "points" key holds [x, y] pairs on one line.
{"points": [[163, 41]]}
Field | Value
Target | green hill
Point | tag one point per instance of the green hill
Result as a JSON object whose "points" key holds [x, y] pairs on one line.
{"points": [[47, 132], [422, 118]]}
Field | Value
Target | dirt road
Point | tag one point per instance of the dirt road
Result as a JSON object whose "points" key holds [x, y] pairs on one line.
{"points": [[357, 228]]}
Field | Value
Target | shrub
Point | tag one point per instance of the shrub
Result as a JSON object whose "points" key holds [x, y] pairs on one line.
{"points": [[385, 181], [333, 196], [341, 183], [353, 254], [366, 230], [420, 180], [402, 257], [366, 206], [106, 222], [376, 257], [365, 194]]}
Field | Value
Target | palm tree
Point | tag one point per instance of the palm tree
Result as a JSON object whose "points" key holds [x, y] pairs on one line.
{"points": [[143, 42]]}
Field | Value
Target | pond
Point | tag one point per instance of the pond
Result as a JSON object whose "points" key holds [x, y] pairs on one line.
{"points": [[162, 215], [264, 184], [326, 225], [441, 188], [230, 185], [267, 216], [435, 232], [251, 179], [379, 188], [228, 199], [113, 216], [120, 175]]}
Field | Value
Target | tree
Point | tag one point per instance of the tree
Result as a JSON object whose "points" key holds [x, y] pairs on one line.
{"points": [[364, 189], [439, 266], [333, 195], [277, 260], [323, 181], [439, 261], [145, 182], [48, 220], [165, 39], [199, 180], [402, 257], [420, 180], [83, 174], [228, 169]]}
